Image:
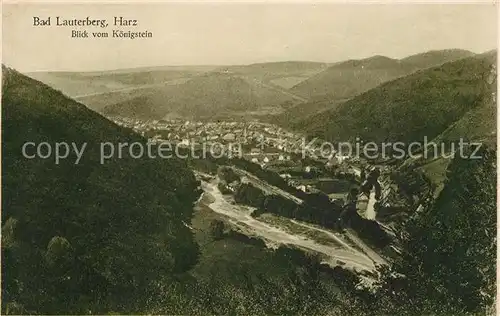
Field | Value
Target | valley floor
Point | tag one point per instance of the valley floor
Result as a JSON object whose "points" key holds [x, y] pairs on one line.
{"points": [[336, 248]]}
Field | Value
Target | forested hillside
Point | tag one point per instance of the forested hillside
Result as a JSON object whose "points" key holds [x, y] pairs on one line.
{"points": [[207, 96], [449, 248], [408, 109], [78, 237], [349, 78]]}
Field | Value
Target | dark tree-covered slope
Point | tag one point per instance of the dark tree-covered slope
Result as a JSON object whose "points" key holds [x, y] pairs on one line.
{"points": [[86, 237]]}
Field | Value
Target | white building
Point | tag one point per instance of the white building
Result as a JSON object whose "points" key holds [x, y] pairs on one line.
{"points": [[229, 137], [255, 151], [301, 188]]}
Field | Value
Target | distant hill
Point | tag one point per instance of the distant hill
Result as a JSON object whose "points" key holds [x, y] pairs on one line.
{"points": [[346, 79], [424, 103], [79, 84], [283, 74], [436, 57], [276, 68], [131, 87], [88, 236], [349, 78], [211, 95], [283, 92]]}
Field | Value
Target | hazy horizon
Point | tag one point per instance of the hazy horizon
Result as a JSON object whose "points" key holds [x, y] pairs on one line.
{"points": [[217, 65], [221, 34]]}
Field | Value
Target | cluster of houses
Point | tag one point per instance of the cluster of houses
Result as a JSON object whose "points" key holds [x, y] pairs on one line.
{"points": [[296, 183], [276, 145], [188, 132], [261, 157]]}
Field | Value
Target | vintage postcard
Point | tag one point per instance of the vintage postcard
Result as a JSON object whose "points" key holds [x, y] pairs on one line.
{"points": [[249, 158]]}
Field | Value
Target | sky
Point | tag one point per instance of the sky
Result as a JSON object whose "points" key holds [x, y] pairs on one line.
{"points": [[240, 33]]}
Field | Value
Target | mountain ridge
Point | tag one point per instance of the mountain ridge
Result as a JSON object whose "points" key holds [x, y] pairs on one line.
{"points": [[209, 95], [389, 111], [337, 80]]}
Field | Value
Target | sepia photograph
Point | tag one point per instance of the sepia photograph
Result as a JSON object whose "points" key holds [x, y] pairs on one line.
{"points": [[249, 158]]}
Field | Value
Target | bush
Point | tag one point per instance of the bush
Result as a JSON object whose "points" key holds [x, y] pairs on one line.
{"points": [[217, 229], [58, 251]]}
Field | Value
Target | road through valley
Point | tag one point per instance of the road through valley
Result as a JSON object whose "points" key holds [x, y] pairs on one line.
{"points": [[239, 216]]}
